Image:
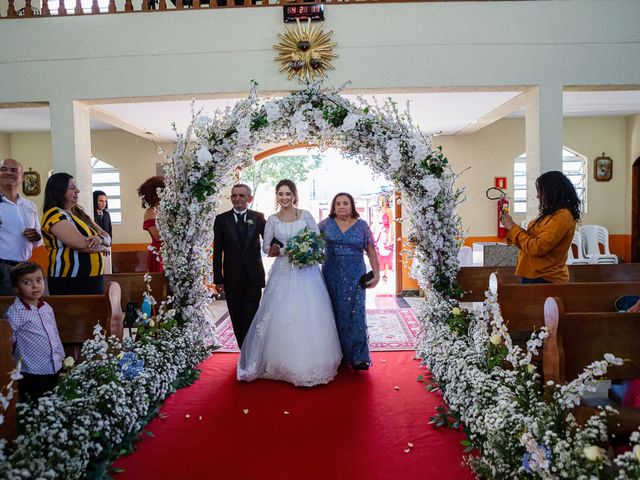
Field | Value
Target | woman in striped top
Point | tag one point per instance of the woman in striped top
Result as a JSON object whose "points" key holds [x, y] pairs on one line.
{"points": [[74, 241]]}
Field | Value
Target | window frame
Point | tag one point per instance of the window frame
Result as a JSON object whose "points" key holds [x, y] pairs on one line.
{"points": [[114, 212]]}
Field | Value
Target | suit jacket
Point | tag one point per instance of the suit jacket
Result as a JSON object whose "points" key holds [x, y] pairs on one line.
{"points": [[233, 263]]}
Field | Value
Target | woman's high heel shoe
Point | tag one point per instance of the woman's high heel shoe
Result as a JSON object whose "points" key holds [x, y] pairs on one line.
{"points": [[360, 366]]}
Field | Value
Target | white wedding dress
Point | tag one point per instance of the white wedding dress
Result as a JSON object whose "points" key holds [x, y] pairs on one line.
{"points": [[293, 335]]}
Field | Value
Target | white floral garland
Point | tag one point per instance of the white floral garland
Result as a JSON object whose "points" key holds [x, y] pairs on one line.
{"points": [[515, 430]]}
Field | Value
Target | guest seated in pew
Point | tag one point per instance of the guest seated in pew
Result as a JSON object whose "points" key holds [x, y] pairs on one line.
{"points": [[544, 245], [75, 243], [35, 334]]}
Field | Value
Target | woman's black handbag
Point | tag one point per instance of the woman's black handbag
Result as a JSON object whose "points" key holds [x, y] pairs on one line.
{"points": [[130, 315], [365, 278]]}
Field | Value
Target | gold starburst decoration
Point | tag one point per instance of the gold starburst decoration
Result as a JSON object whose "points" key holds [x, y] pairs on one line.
{"points": [[305, 51]]}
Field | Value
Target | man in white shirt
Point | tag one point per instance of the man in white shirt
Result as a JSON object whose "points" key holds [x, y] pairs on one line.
{"points": [[19, 223]]}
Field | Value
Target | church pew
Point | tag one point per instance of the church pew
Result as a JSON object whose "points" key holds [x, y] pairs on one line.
{"points": [[475, 280], [8, 429], [128, 262], [522, 306], [132, 286], [77, 315], [577, 339]]}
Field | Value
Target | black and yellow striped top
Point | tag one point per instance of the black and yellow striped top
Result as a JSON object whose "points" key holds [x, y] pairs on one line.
{"points": [[64, 261]]}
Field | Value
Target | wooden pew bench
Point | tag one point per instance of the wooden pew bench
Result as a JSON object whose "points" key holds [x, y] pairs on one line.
{"points": [[522, 306], [8, 429], [577, 339], [133, 286], [129, 262], [475, 280]]}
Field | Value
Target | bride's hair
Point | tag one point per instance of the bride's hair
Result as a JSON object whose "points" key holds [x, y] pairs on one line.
{"points": [[292, 186]]}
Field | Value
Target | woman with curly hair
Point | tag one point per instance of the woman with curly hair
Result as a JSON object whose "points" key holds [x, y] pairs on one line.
{"points": [[148, 193], [545, 244]]}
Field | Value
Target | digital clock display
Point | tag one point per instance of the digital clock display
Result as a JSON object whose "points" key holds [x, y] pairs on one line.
{"points": [[303, 11]]}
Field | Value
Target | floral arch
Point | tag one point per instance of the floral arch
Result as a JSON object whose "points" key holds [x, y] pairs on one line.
{"points": [[379, 135]]}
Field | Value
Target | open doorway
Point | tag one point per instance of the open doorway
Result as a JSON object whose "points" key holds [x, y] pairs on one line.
{"points": [[319, 177]]}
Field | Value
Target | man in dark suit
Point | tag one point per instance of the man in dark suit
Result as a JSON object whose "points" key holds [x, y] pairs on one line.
{"points": [[237, 259]]}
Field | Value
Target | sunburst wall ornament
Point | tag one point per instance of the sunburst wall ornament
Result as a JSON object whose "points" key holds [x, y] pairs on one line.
{"points": [[305, 51]]}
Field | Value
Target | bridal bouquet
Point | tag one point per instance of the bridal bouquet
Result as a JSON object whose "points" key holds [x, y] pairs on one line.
{"points": [[305, 249]]}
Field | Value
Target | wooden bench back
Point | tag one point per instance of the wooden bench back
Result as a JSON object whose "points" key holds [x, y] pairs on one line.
{"points": [[475, 280], [522, 306], [577, 339], [77, 315], [133, 286], [8, 429], [129, 262]]}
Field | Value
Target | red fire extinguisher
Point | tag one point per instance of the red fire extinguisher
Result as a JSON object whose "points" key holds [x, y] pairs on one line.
{"points": [[495, 193]]}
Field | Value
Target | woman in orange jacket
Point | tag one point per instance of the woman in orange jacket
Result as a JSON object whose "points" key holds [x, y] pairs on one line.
{"points": [[545, 244]]}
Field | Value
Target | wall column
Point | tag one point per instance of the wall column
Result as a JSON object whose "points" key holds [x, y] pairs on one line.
{"points": [[71, 144], [544, 137]]}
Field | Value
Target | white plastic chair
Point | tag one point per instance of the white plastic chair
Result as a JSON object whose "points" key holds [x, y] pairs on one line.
{"points": [[592, 237], [580, 259]]}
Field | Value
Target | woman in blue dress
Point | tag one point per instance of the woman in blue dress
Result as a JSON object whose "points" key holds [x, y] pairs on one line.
{"points": [[348, 237]]}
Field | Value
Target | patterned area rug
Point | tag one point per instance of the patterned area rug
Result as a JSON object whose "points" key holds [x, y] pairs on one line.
{"points": [[390, 329]]}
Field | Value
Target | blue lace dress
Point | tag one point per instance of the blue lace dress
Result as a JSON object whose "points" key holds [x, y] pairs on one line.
{"points": [[342, 270]]}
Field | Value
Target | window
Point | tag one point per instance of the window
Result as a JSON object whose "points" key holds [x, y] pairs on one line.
{"points": [[106, 177], [573, 166]]}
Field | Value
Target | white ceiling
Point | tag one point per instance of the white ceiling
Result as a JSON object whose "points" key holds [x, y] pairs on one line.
{"points": [[434, 112]]}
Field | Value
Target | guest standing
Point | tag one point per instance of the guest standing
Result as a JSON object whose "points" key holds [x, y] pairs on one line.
{"points": [[149, 194], [383, 236], [75, 243], [102, 218], [100, 213], [545, 244], [19, 223], [348, 237], [35, 333]]}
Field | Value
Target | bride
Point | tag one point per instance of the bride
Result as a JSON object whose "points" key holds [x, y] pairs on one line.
{"points": [[293, 335]]}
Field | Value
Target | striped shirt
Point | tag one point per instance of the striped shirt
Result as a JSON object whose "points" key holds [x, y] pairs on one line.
{"points": [[64, 261], [37, 342]]}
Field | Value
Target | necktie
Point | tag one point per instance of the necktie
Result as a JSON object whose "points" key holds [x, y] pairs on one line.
{"points": [[241, 228]]}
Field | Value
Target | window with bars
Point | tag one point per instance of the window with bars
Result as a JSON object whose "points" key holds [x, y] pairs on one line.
{"points": [[106, 177], [573, 166]]}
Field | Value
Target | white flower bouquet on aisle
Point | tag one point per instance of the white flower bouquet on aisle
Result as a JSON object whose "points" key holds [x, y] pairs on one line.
{"points": [[305, 249]]}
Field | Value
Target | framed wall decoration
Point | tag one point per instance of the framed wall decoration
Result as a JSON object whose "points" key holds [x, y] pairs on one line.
{"points": [[602, 168], [31, 183]]}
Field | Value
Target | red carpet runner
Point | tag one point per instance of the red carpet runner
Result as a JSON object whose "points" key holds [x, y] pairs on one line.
{"points": [[357, 427]]}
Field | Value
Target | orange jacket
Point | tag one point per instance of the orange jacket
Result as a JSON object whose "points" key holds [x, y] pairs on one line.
{"points": [[544, 246]]}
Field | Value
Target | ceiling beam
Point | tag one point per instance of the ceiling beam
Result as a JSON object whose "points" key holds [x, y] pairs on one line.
{"points": [[516, 103], [107, 117]]}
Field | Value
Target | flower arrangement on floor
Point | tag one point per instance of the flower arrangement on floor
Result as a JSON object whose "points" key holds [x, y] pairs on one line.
{"points": [[517, 427], [101, 404], [305, 249]]}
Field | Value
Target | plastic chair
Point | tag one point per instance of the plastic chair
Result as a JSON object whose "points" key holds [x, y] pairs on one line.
{"points": [[592, 237], [580, 259]]}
